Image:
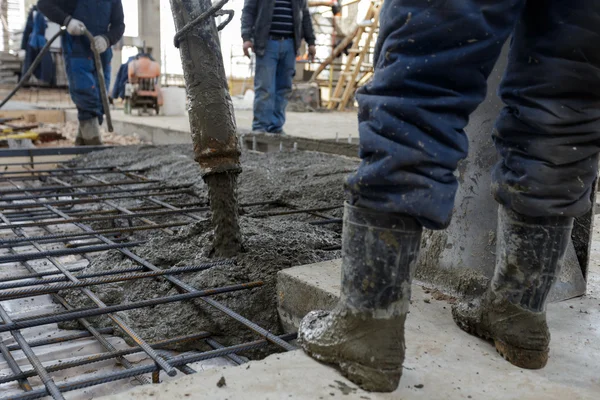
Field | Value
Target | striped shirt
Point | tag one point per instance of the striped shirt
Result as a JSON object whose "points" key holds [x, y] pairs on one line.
{"points": [[282, 23]]}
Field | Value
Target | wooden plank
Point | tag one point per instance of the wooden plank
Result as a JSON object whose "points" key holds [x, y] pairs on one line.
{"points": [[336, 52], [34, 116], [351, 86]]}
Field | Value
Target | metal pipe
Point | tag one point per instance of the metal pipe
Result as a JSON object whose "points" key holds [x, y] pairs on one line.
{"points": [[233, 357], [183, 359], [212, 119], [104, 356], [33, 359], [37, 275], [14, 366], [86, 194], [55, 288], [64, 252], [183, 286], [74, 236], [63, 278], [301, 211], [116, 319], [327, 221], [101, 218], [69, 171], [101, 81], [61, 339], [69, 316], [33, 175], [39, 215], [82, 186], [87, 201], [83, 322], [211, 113]]}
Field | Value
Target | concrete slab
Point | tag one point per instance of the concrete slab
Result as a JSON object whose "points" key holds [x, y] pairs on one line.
{"points": [[305, 288], [176, 129], [442, 362]]}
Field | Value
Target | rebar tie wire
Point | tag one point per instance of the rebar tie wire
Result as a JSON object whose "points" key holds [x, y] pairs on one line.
{"points": [[215, 11]]}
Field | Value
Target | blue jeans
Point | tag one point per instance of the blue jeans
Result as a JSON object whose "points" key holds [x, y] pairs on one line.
{"points": [[273, 85], [432, 62]]}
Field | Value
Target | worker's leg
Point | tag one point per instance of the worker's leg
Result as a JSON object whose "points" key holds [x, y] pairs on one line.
{"points": [[286, 68], [83, 85], [548, 137], [432, 62], [264, 87]]}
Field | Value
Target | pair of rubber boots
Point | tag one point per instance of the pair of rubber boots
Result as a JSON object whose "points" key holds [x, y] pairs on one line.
{"points": [[88, 133], [364, 334]]}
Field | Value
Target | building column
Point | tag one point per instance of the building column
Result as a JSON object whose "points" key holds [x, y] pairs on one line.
{"points": [[149, 26]]}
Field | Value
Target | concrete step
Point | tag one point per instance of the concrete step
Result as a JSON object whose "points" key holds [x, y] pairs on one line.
{"points": [[448, 362], [305, 288]]}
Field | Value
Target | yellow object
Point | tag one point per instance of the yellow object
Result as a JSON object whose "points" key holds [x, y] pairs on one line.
{"points": [[31, 135]]}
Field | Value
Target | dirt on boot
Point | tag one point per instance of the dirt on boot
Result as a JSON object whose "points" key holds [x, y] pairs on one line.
{"points": [[520, 336], [369, 351]]}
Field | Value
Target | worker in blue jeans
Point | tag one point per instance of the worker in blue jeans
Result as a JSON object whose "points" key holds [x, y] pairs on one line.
{"points": [[433, 59], [274, 30]]}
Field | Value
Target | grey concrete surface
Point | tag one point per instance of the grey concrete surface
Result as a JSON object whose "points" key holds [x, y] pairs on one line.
{"points": [[176, 129], [448, 363], [305, 288]]}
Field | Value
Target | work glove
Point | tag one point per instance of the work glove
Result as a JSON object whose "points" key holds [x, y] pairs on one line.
{"points": [[248, 45], [75, 27], [101, 43]]}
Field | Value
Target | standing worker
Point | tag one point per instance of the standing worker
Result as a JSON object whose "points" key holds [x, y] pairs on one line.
{"points": [[432, 62], [274, 29], [104, 20]]}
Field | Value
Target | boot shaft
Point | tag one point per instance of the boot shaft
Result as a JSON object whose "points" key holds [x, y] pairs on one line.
{"points": [[529, 256], [379, 256], [90, 130]]}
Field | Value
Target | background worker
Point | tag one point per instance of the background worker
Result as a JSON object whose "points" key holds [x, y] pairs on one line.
{"points": [[432, 62], [104, 20], [274, 29]]}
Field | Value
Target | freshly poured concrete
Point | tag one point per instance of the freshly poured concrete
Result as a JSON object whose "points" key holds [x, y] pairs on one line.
{"points": [[442, 362]]}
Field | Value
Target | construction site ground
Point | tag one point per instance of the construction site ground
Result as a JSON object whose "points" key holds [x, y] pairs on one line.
{"points": [[175, 129], [442, 362]]}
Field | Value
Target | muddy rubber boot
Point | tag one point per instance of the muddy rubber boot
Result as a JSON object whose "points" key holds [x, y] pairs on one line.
{"points": [[364, 334], [512, 313], [79, 138], [90, 132]]}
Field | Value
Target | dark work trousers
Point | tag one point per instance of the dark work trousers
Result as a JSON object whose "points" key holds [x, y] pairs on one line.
{"points": [[79, 59], [273, 85], [432, 62]]}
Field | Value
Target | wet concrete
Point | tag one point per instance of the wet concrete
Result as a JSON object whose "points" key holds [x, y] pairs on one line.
{"points": [[222, 194], [303, 179]]}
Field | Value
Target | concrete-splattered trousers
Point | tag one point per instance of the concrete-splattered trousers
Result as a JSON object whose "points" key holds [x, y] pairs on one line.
{"points": [[432, 61]]}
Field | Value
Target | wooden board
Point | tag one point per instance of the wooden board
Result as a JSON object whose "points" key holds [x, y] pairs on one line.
{"points": [[34, 116]]}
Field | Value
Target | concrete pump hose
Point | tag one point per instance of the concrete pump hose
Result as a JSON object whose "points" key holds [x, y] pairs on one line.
{"points": [[35, 64], [102, 82]]}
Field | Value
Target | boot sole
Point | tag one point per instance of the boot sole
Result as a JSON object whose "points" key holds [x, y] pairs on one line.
{"points": [[523, 358], [371, 379], [368, 378], [519, 357]]}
